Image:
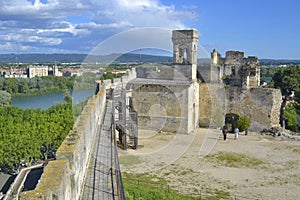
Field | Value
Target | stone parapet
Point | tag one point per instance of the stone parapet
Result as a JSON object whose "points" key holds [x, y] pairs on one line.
{"points": [[63, 178]]}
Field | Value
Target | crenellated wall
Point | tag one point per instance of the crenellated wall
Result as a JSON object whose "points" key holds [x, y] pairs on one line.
{"points": [[63, 178]]}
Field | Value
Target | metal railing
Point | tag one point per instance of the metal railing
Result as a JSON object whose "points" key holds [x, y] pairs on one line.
{"points": [[115, 158]]}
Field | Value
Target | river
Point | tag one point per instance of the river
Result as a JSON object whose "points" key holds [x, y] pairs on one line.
{"points": [[45, 101]]}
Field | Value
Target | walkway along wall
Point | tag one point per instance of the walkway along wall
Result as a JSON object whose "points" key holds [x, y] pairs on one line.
{"points": [[64, 177]]}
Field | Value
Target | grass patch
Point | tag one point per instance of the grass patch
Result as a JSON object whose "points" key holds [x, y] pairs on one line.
{"points": [[231, 159], [148, 187], [292, 164], [129, 160], [296, 150]]}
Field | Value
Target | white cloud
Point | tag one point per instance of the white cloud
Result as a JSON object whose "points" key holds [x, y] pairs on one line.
{"points": [[93, 25], [79, 24]]}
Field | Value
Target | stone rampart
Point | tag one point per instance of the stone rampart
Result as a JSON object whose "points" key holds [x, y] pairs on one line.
{"points": [[64, 178]]}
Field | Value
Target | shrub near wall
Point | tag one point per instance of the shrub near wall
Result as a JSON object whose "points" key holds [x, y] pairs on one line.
{"points": [[243, 123]]}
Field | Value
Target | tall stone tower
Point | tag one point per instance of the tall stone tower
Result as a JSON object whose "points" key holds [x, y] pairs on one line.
{"points": [[185, 44]]}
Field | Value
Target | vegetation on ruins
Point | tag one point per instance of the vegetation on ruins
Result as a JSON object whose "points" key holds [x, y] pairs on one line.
{"points": [[26, 135]]}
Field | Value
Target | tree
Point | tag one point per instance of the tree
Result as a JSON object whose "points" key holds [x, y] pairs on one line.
{"points": [[243, 123], [23, 132], [11, 85], [290, 116], [5, 98], [288, 79], [23, 86], [67, 96]]}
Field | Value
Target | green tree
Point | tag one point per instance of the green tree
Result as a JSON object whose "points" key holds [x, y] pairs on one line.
{"points": [[243, 123], [11, 85], [67, 96], [23, 132], [5, 98], [287, 79], [23, 86], [290, 116]]}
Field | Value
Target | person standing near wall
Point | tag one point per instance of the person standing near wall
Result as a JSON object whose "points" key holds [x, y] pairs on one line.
{"points": [[224, 131]]}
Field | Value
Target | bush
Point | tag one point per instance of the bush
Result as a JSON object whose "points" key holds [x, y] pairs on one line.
{"points": [[243, 123], [290, 116]]}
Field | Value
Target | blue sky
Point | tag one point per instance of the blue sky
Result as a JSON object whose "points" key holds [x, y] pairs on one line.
{"points": [[265, 28]]}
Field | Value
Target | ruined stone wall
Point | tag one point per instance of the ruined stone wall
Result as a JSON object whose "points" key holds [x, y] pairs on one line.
{"points": [[64, 177], [166, 72], [260, 105], [254, 71], [163, 107], [211, 105]]}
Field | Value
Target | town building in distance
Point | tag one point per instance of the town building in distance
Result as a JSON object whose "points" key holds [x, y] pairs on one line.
{"points": [[39, 71]]}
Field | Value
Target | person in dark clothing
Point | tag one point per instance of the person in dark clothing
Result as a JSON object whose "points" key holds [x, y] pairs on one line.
{"points": [[224, 131]]}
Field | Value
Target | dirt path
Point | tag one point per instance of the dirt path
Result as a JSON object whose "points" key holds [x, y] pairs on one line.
{"points": [[268, 168]]}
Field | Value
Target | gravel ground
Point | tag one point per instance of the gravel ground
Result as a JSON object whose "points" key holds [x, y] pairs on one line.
{"points": [[185, 162]]}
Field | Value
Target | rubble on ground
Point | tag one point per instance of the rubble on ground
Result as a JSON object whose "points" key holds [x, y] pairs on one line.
{"points": [[280, 132]]}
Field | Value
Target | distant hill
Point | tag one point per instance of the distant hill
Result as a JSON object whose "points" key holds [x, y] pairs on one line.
{"points": [[79, 58], [115, 58], [278, 62], [42, 58]]}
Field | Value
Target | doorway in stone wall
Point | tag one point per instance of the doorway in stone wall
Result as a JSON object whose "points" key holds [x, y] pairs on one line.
{"points": [[230, 121]]}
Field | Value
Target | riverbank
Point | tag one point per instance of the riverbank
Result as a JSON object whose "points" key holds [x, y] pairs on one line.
{"points": [[45, 101], [49, 91]]}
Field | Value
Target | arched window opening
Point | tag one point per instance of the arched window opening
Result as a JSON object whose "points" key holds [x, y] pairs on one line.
{"points": [[185, 56]]}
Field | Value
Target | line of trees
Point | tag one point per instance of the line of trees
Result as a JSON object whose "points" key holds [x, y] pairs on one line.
{"points": [[47, 84], [37, 85]]}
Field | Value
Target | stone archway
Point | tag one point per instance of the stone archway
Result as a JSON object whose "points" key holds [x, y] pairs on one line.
{"points": [[230, 121]]}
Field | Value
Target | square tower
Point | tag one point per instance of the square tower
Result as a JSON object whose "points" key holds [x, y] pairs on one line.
{"points": [[185, 44]]}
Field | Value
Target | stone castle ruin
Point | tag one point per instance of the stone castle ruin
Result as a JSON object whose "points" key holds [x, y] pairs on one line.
{"points": [[236, 70], [185, 95], [172, 98], [239, 79]]}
